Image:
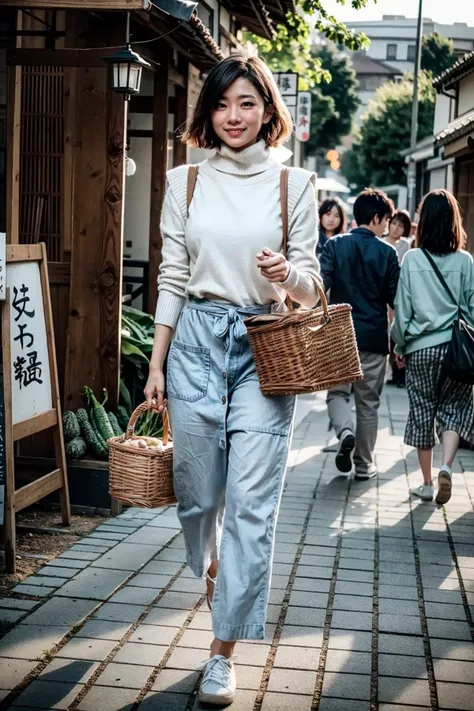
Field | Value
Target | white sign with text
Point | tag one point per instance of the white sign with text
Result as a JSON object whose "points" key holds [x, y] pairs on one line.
{"points": [[31, 377]]}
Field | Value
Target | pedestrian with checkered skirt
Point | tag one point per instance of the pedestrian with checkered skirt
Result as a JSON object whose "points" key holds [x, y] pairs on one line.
{"points": [[422, 330]]}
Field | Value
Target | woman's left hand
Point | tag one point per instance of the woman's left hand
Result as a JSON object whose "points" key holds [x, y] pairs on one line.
{"points": [[273, 265]]}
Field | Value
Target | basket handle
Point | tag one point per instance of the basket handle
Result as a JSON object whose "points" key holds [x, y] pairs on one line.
{"points": [[139, 411], [284, 179]]}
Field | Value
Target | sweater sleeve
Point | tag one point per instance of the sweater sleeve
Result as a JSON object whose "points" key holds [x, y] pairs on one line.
{"points": [[302, 240], [403, 309], [174, 270]]}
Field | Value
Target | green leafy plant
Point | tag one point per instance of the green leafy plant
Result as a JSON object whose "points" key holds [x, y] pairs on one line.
{"points": [[137, 337]]}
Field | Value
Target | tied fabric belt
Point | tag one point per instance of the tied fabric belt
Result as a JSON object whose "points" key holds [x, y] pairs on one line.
{"points": [[230, 322]]}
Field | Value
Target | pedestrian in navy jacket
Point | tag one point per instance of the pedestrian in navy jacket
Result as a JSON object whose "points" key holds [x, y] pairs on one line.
{"points": [[362, 270]]}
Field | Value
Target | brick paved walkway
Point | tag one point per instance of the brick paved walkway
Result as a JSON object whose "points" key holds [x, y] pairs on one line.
{"points": [[371, 603]]}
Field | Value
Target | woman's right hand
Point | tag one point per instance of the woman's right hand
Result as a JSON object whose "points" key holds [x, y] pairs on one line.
{"points": [[155, 389]]}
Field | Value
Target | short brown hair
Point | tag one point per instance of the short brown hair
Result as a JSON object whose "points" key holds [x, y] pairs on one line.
{"points": [[440, 227], [370, 203], [200, 133], [402, 216]]}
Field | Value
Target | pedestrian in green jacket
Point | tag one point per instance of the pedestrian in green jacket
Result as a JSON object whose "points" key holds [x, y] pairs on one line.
{"points": [[422, 329]]}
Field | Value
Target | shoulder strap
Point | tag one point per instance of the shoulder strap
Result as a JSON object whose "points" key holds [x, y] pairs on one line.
{"points": [[284, 207], [439, 275], [193, 171]]}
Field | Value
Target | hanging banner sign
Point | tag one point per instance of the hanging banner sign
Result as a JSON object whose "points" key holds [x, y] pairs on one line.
{"points": [[287, 83], [303, 116]]}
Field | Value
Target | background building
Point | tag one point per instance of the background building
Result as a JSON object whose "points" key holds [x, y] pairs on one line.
{"points": [[393, 39]]}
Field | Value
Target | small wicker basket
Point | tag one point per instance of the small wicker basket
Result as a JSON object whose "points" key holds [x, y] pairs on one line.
{"points": [[304, 351], [141, 477]]}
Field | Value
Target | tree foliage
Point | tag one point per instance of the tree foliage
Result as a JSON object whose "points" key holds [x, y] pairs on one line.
{"points": [[437, 53], [291, 48], [385, 131], [339, 97]]}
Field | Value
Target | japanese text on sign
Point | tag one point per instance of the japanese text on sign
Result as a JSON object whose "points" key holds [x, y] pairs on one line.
{"points": [[287, 83], [303, 116], [31, 382]]}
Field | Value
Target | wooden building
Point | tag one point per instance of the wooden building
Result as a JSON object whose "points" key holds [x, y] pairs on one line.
{"points": [[64, 137], [456, 139]]}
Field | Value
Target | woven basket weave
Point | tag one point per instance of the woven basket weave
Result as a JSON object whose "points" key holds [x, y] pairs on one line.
{"points": [[304, 351], [141, 477]]}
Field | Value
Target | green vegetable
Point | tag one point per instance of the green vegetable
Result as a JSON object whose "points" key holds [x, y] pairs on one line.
{"points": [[123, 417], [98, 415], [71, 427], [76, 448], [115, 425], [94, 441]]}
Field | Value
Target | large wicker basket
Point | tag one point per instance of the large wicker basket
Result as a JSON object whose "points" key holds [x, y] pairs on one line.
{"points": [[141, 477], [304, 351]]}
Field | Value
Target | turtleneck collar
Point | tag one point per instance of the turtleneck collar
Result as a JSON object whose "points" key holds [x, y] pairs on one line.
{"points": [[251, 161]]}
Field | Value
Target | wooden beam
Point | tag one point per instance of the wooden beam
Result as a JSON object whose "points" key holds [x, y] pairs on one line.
{"points": [[159, 166], [79, 4], [58, 57], [180, 119], [24, 252], [37, 490], [34, 425]]}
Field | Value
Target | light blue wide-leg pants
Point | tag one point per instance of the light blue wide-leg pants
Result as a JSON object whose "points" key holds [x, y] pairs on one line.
{"points": [[230, 454]]}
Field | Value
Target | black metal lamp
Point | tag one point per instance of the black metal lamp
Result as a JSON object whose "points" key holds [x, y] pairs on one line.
{"points": [[127, 67]]}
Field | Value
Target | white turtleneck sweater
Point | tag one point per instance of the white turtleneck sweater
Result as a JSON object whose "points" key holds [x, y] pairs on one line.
{"points": [[235, 213]]}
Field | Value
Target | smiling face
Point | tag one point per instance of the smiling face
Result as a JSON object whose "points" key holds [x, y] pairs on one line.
{"points": [[240, 114], [331, 221]]}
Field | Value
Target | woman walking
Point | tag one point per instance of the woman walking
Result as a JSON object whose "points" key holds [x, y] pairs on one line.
{"points": [[332, 221], [222, 262], [424, 318]]}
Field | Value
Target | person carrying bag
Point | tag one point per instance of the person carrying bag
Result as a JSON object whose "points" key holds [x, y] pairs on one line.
{"points": [[433, 330]]}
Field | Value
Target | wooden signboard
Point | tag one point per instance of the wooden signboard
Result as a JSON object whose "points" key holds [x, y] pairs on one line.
{"points": [[30, 382]]}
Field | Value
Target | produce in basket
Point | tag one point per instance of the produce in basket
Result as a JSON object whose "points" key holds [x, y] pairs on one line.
{"points": [[98, 415], [93, 439], [76, 448], [71, 427]]}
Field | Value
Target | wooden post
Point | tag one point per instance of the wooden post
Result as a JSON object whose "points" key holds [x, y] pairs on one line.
{"points": [[180, 120], [10, 511], [53, 368], [111, 268], [159, 165], [93, 351], [13, 154]]}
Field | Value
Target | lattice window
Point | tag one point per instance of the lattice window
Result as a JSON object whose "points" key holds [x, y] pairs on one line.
{"points": [[41, 157]]}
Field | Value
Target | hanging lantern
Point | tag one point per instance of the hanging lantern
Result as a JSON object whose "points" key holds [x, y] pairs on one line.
{"points": [[127, 68]]}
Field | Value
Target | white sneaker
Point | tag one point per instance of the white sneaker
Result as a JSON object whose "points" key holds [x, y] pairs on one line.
{"points": [[424, 492], [218, 682], [445, 485]]}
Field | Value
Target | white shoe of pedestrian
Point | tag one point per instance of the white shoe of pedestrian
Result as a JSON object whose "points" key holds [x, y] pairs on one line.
{"points": [[445, 485], [424, 492], [218, 682], [369, 473]]}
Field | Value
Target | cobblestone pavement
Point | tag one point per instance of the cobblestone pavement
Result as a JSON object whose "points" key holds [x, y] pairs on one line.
{"points": [[371, 604]]}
